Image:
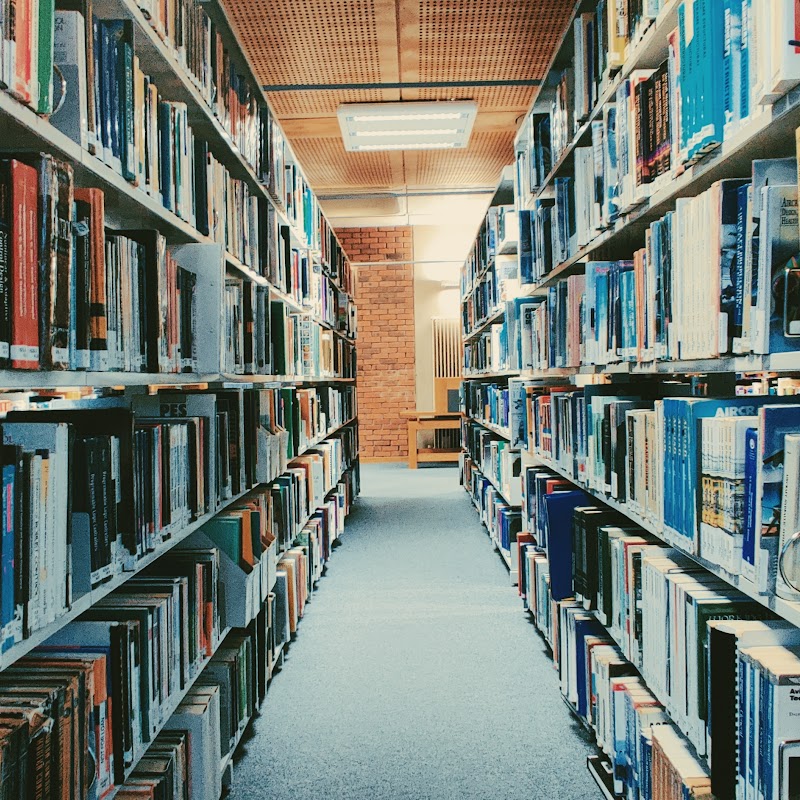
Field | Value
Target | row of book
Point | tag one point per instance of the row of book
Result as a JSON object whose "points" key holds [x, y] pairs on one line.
{"points": [[715, 478], [498, 235], [496, 460], [94, 711], [654, 126], [264, 337], [80, 295], [642, 310], [502, 521], [487, 352], [487, 402], [143, 476], [600, 588]]}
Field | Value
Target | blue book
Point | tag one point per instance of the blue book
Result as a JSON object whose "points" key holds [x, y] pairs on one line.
{"points": [[686, 77], [710, 16], [731, 61], [611, 168], [7, 535], [628, 307], [744, 61], [584, 627], [112, 32], [750, 503], [525, 248], [560, 507], [602, 274]]}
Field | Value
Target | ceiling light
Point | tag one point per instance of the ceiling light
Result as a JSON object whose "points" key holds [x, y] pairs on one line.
{"points": [[404, 117], [414, 146], [406, 126], [418, 132]]}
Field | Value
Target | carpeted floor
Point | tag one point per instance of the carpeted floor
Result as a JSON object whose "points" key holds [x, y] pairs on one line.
{"points": [[415, 673]]}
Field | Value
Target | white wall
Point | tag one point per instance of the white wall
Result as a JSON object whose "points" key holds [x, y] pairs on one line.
{"points": [[439, 251]]}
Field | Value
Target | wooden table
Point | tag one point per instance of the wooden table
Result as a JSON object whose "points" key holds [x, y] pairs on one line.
{"points": [[429, 421]]}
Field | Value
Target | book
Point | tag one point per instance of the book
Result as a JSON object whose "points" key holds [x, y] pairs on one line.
{"points": [[24, 185], [70, 56]]}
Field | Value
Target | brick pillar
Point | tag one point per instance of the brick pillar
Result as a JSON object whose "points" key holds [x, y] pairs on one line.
{"points": [[386, 362]]}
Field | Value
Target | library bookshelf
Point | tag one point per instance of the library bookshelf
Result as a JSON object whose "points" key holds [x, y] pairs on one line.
{"points": [[236, 452], [569, 457]]}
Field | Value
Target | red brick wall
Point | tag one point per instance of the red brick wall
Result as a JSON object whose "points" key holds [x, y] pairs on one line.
{"points": [[386, 368]]}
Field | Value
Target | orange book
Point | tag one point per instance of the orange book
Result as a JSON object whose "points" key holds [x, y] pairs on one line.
{"points": [[24, 181], [22, 34], [248, 556]]}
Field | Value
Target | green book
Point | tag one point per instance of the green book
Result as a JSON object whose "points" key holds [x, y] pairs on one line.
{"points": [[226, 533], [47, 14]]}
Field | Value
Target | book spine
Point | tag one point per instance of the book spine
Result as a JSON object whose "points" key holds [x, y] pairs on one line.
{"points": [[7, 535], [61, 298], [6, 242], [21, 34], [24, 266], [127, 110], [44, 67]]}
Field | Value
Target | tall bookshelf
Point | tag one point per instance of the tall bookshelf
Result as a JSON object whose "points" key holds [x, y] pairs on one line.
{"points": [[597, 447], [489, 281], [251, 428]]}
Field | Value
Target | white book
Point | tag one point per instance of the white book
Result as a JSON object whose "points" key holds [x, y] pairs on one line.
{"points": [[69, 55], [782, 60], [779, 241], [789, 544]]}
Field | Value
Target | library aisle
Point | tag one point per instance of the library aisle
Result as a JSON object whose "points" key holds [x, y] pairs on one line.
{"points": [[415, 673]]}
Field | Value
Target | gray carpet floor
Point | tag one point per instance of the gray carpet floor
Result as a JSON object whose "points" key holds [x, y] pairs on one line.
{"points": [[415, 673]]}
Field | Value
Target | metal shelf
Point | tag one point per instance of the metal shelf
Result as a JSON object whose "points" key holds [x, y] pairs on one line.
{"points": [[496, 315], [503, 433], [480, 376]]}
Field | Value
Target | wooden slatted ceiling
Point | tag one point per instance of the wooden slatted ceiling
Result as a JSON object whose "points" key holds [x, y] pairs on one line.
{"points": [[298, 42]]}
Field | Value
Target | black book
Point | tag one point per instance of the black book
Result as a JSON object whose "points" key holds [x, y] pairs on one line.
{"points": [[187, 286], [201, 210], [82, 228]]}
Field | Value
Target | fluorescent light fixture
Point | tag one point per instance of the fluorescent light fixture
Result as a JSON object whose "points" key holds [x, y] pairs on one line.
{"points": [[416, 132], [411, 146], [406, 126]]}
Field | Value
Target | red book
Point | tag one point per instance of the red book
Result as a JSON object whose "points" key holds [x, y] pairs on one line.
{"points": [[24, 266], [22, 79], [523, 540]]}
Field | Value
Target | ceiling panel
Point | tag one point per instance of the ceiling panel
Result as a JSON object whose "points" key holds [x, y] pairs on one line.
{"points": [[329, 167], [460, 40], [488, 98], [336, 42], [318, 41], [479, 165], [310, 105]]}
